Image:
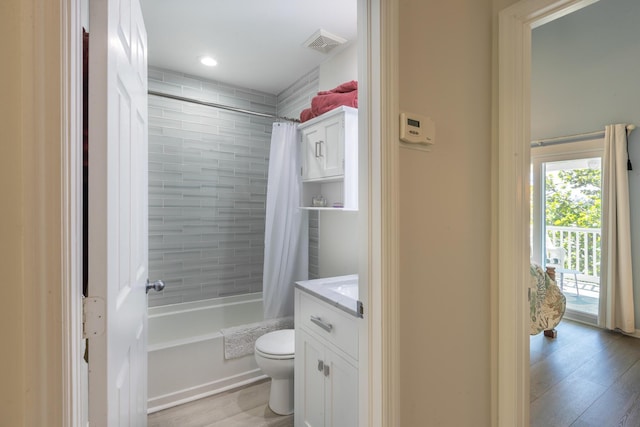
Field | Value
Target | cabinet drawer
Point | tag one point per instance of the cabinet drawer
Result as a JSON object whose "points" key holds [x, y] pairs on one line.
{"points": [[330, 323]]}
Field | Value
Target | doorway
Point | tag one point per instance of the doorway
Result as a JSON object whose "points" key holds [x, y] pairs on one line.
{"points": [[370, 46], [566, 199], [513, 210], [516, 130]]}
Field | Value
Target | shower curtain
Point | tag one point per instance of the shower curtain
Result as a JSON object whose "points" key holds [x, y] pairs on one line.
{"points": [[616, 299], [286, 243]]}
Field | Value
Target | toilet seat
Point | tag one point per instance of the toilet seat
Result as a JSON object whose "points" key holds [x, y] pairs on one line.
{"points": [[277, 344]]}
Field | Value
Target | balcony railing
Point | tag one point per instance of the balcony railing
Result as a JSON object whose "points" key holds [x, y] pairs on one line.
{"points": [[582, 246]]}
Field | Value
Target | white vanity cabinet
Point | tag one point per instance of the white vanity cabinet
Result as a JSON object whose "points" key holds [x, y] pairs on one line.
{"points": [[329, 158], [326, 373]]}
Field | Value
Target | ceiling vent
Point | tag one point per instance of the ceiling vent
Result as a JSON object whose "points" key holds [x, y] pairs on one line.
{"points": [[323, 41]]}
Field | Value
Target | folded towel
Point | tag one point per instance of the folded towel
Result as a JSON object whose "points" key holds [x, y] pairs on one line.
{"points": [[343, 88], [240, 340], [306, 114], [344, 94]]}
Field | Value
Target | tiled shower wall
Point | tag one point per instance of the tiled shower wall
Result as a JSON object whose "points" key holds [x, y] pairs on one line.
{"points": [[207, 186]]}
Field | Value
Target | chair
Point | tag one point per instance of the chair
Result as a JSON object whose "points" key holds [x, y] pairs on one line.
{"points": [[555, 260]]}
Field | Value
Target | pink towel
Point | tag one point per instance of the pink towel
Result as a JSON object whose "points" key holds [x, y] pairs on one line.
{"points": [[345, 94], [343, 88], [306, 114]]}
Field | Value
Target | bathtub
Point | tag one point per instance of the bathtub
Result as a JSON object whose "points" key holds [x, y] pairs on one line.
{"points": [[186, 350]]}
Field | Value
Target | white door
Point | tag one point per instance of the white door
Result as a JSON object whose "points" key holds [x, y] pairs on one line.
{"points": [[117, 213]]}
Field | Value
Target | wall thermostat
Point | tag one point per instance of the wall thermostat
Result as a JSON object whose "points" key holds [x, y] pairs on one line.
{"points": [[417, 129]]}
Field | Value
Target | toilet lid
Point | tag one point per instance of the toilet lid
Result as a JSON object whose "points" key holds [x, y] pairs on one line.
{"points": [[278, 343]]}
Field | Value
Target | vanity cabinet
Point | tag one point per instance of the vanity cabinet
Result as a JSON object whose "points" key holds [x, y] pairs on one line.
{"points": [[329, 158], [326, 373]]}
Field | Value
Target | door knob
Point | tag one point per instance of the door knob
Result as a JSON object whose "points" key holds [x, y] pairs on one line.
{"points": [[158, 285]]}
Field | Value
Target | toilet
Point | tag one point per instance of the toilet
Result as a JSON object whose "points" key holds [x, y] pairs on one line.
{"points": [[274, 354]]}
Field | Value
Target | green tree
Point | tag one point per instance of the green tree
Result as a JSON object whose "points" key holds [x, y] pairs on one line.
{"points": [[574, 198]]}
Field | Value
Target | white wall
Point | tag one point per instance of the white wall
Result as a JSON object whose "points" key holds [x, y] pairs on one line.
{"points": [[585, 76], [338, 236], [445, 215], [340, 68], [84, 15], [338, 243]]}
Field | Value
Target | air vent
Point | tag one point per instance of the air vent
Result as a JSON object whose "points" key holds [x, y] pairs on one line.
{"points": [[323, 41]]}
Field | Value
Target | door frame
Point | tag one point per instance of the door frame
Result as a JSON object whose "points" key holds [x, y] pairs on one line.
{"points": [[378, 252], [50, 46], [514, 123], [58, 34]]}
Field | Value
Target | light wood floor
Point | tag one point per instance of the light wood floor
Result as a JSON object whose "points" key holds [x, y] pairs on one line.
{"points": [[246, 407], [586, 377]]}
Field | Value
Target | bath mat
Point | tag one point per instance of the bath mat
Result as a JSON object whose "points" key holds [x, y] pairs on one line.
{"points": [[240, 340]]}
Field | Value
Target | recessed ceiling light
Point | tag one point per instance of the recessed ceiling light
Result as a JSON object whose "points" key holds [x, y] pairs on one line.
{"points": [[208, 61]]}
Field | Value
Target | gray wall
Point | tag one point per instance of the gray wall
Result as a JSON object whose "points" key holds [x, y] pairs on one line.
{"points": [[207, 185], [585, 76]]}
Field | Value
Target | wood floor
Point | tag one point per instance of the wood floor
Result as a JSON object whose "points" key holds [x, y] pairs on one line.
{"points": [[246, 407], [586, 377]]}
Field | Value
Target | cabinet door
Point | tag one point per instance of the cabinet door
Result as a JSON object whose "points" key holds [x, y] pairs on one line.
{"points": [[312, 167], [332, 148], [310, 382], [323, 149], [341, 392]]}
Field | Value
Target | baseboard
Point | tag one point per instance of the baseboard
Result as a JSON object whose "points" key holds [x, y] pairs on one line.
{"points": [[588, 320], [205, 390], [635, 334]]}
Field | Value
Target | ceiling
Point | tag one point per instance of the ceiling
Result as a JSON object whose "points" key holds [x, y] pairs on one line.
{"points": [[258, 43]]}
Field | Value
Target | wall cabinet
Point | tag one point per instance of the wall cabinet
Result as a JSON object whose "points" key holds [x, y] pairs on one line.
{"points": [[329, 158], [326, 373]]}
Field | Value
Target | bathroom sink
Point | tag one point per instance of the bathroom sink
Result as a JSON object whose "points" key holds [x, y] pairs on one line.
{"points": [[340, 291], [349, 290]]}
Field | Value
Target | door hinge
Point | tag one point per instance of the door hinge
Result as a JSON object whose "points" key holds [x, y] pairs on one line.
{"points": [[93, 317], [360, 308]]}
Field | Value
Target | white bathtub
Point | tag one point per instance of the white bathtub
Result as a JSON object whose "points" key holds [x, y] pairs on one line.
{"points": [[186, 349]]}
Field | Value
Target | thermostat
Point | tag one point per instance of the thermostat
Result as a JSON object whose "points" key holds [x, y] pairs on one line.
{"points": [[416, 129]]}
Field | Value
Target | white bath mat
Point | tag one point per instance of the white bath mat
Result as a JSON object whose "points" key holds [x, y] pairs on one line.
{"points": [[240, 340]]}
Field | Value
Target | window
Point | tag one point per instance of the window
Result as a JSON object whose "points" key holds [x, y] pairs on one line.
{"points": [[566, 199]]}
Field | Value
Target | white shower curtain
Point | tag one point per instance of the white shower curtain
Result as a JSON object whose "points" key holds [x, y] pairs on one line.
{"points": [[616, 298], [286, 243]]}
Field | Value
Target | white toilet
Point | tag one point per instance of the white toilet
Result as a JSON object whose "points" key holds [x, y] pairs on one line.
{"points": [[274, 353]]}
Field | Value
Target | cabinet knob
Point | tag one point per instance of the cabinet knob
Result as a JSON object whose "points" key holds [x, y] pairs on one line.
{"points": [[326, 370], [320, 365]]}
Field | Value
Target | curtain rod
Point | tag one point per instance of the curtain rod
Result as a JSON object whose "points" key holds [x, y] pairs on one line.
{"points": [[221, 106], [571, 138]]}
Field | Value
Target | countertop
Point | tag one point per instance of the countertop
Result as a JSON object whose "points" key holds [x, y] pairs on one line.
{"points": [[339, 291]]}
